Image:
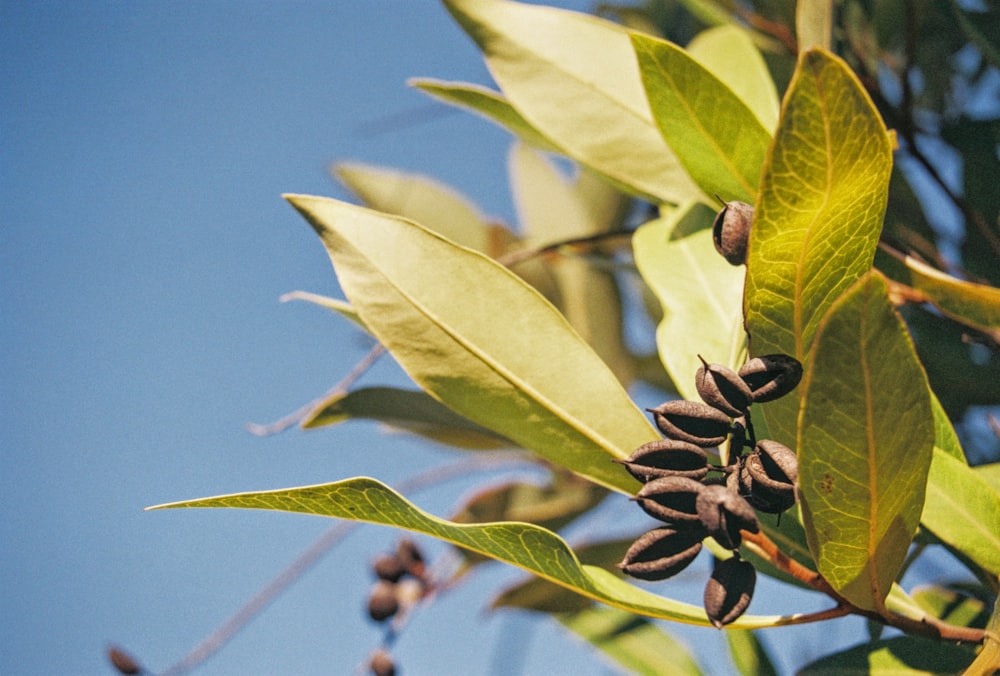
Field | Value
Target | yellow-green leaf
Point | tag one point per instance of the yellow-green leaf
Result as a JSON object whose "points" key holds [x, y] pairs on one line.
{"points": [[524, 545], [487, 103], [963, 510], [480, 340], [893, 657], [409, 410], [818, 215], [813, 24], [866, 436], [699, 291], [341, 307], [426, 201], [729, 53], [713, 133], [574, 78]]}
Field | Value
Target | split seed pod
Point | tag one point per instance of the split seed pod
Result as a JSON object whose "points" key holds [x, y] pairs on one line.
{"points": [[666, 457], [661, 553], [721, 387], [729, 590], [389, 567], [692, 421], [671, 499], [731, 231], [769, 475], [771, 376], [724, 514]]}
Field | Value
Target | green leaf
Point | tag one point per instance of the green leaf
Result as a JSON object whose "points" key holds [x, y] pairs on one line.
{"points": [[524, 545], [986, 662], [574, 78], [480, 340], [818, 214], [891, 657], [551, 209], [975, 305], [729, 53], [749, 654], [952, 607], [865, 443], [990, 474], [699, 291], [717, 138], [634, 643], [963, 510], [487, 103], [409, 410], [421, 199]]}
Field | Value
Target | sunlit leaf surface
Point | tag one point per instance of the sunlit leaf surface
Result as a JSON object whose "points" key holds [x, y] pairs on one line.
{"points": [[477, 338], [866, 436], [574, 78], [524, 545], [713, 133], [892, 657]]}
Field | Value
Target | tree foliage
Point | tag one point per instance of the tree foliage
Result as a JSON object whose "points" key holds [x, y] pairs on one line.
{"points": [[831, 119]]}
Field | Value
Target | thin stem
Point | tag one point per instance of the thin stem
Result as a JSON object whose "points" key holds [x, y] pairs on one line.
{"points": [[297, 416], [515, 257]]}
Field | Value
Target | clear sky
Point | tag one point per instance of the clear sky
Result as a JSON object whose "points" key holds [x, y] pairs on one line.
{"points": [[143, 247]]}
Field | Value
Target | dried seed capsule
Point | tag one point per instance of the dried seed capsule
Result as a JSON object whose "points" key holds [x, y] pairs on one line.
{"points": [[382, 601], [666, 457], [721, 387], [729, 590], [411, 556], [123, 662], [671, 499], [771, 376], [381, 663], [724, 514], [731, 231], [389, 567], [691, 421], [661, 553], [769, 477]]}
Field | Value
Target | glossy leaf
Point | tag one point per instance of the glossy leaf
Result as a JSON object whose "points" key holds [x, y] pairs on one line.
{"points": [[524, 545], [952, 607], [990, 474], [713, 133], [574, 78], [480, 340], [890, 657], [866, 436], [699, 291], [819, 214], [729, 53], [963, 510], [634, 643], [487, 103], [424, 200], [410, 410]]}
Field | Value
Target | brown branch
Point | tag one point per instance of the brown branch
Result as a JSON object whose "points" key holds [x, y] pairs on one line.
{"points": [[928, 627]]}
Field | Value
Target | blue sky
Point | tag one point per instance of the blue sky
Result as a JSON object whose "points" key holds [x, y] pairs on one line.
{"points": [[143, 248]]}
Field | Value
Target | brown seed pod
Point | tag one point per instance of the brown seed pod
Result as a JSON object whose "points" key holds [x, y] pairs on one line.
{"points": [[724, 514], [382, 601], [779, 461], [768, 477], [412, 558], [771, 376], [661, 553], [123, 662], [691, 421], [666, 457], [389, 567], [731, 231], [721, 387], [381, 663], [729, 590], [671, 499]]}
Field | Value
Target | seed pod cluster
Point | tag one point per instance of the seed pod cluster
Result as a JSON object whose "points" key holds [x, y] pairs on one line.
{"points": [[696, 499], [400, 581]]}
